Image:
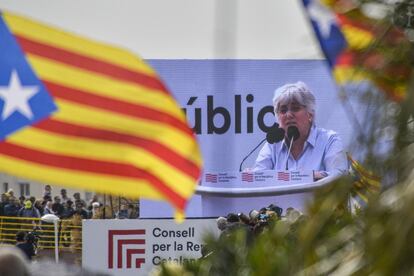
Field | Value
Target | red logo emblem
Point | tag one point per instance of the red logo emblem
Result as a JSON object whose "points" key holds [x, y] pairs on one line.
{"points": [[284, 176], [212, 178], [120, 239], [247, 177]]}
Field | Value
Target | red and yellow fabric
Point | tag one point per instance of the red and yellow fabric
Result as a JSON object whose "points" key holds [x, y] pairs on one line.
{"points": [[116, 130], [365, 57], [359, 48], [366, 183]]}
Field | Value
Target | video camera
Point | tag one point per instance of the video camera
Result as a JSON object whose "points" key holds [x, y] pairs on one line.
{"points": [[32, 237]]}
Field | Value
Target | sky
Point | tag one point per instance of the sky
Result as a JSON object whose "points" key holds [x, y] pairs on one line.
{"points": [[183, 29]]}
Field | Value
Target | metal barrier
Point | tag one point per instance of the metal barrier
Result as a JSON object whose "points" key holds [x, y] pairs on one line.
{"points": [[69, 233]]}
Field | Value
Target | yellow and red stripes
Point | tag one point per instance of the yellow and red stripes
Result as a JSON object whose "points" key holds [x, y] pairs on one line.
{"points": [[366, 58], [117, 129], [91, 64], [366, 183]]}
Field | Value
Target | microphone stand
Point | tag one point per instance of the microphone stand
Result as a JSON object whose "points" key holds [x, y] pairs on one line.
{"points": [[287, 157], [247, 156]]}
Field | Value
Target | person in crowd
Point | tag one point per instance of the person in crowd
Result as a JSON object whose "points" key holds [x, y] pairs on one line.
{"points": [[28, 211], [32, 199], [47, 198], [107, 212], [80, 211], [123, 212], [4, 201], [68, 209], [26, 244], [21, 201], [66, 217], [12, 208], [47, 191], [221, 223], [57, 206], [77, 198], [233, 223], [13, 262], [75, 223], [64, 195], [96, 212], [133, 210], [48, 237], [95, 198], [315, 148], [10, 193], [40, 206], [49, 208]]}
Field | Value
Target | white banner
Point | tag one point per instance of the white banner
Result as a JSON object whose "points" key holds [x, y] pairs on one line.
{"points": [[135, 247]]}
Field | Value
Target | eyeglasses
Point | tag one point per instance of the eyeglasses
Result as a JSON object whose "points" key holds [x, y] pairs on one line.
{"points": [[293, 108]]}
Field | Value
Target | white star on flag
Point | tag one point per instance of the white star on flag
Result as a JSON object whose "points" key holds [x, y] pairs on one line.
{"points": [[16, 97], [323, 17]]}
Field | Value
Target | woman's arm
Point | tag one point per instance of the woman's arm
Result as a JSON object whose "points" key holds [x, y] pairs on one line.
{"points": [[264, 159]]}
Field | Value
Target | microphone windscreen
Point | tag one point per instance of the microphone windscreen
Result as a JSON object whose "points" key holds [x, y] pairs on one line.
{"points": [[280, 134], [276, 134], [270, 137], [293, 133]]}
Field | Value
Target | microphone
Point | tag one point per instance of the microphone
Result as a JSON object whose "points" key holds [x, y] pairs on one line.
{"points": [[274, 135], [292, 135]]}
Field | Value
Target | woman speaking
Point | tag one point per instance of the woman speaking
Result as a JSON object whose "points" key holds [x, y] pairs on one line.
{"points": [[305, 146]]}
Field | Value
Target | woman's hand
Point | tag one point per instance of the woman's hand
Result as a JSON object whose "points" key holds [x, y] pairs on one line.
{"points": [[317, 175]]}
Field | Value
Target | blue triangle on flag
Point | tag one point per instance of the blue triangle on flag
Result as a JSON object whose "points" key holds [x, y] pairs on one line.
{"points": [[333, 41], [24, 99]]}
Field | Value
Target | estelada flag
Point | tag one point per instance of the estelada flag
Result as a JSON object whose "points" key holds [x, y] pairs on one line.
{"points": [[80, 113], [359, 48], [366, 184]]}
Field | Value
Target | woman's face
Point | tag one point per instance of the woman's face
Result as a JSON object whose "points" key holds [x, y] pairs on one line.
{"points": [[294, 114]]}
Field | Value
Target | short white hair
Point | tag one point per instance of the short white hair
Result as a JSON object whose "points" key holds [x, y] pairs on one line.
{"points": [[221, 223], [13, 261], [295, 92]]}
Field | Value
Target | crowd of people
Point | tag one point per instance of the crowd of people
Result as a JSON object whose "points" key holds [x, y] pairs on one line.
{"points": [[64, 207], [26, 212], [256, 221]]}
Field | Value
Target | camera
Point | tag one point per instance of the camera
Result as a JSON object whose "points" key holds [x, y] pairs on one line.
{"points": [[32, 238], [27, 241], [263, 217]]}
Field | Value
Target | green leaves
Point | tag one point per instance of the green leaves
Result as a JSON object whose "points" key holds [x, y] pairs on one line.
{"points": [[377, 239]]}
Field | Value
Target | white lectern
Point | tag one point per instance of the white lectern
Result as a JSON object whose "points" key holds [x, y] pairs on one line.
{"points": [[220, 193], [233, 192]]}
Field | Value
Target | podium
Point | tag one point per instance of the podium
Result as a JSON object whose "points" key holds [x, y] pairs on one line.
{"points": [[220, 193], [234, 192]]}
